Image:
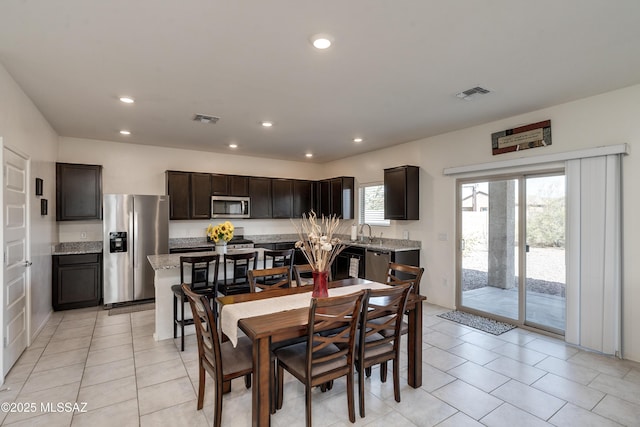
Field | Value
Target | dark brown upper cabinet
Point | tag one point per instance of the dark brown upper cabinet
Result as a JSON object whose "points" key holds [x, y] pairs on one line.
{"points": [[302, 197], [402, 193], [282, 198], [78, 192], [219, 184], [238, 185], [200, 196], [336, 197], [178, 189], [260, 194]]}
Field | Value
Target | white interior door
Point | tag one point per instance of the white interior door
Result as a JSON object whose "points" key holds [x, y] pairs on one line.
{"points": [[15, 315]]}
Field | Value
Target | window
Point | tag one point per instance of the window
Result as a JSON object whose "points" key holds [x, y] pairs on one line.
{"points": [[372, 205]]}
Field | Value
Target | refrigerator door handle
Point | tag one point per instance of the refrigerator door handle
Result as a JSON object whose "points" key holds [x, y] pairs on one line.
{"points": [[132, 231]]}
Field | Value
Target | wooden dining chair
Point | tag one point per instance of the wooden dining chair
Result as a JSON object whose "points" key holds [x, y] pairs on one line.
{"points": [[375, 347], [278, 258], [324, 357], [199, 267], [220, 359], [269, 278], [239, 264], [399, 274]]}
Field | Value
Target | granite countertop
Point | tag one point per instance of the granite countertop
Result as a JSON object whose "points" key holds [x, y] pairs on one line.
{"points": [[77, 248], [393, 245], [170, 261]]}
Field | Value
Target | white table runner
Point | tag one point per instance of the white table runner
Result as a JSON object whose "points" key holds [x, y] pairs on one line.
{"points": [[232, 313]]}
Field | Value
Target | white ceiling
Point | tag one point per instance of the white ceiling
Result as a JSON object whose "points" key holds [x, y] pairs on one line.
{"points": [[390, 77]]}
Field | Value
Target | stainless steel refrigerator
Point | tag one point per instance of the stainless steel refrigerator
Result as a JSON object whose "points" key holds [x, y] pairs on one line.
{"points": [[134, 226]]}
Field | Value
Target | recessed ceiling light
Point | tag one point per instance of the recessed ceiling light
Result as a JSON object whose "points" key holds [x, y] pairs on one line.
{"points": [[125, 132], [321, 41], [233, 145], [357, 140], [267, 124], [308, 155], [127, 99]]}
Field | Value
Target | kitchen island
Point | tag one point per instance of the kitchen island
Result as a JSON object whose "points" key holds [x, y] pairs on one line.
{"points": [[166, 274]]}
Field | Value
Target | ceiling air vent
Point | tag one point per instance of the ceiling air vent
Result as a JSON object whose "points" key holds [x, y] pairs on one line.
{"points": [[203, 118], [467, 94]]}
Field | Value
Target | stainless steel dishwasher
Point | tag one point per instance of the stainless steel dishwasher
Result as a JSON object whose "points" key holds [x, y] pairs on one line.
{"points": [[377, 264]]}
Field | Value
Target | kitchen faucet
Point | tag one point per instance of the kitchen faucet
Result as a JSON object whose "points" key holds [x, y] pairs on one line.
{"points": [[362, 232]]}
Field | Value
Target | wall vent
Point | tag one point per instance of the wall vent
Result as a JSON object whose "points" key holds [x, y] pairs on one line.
{"points": [[204, 118], [467, 94]]}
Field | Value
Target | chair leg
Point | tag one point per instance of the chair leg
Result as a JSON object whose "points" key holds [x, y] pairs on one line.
{"points": [[307, 395], [350, 398], [280, 386], [247, 381], [182, 324], [361, 389], [367, 371], [217, 408], [396, 380], [201, 382], [383, 372], [175, 316]]}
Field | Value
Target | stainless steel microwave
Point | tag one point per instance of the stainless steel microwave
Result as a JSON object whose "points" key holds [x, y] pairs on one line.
{"points": [[230, 207]]}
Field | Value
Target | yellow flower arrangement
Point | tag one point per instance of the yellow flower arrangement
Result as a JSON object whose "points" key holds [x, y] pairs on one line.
{"points": [[222, 231]]}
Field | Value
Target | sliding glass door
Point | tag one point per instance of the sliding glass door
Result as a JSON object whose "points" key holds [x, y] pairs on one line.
{"points": [[511, 261]]}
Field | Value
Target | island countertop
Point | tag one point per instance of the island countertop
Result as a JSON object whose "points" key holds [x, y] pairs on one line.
{"points": [[170, 261]]}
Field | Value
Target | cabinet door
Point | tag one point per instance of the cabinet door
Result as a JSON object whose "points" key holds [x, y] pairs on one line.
{"points": [[341, 197], [302, 198], [76, 285], [219, 184], [401, 193], [178, 191], [260, 193], [282, 198], [78, 192], [200, 196], [324, 198], [238, 185]]}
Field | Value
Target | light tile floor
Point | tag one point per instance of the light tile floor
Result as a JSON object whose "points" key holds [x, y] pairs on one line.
{"points": [[470, 378]]}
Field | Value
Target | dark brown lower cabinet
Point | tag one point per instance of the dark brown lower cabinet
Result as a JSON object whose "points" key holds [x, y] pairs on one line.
{"points": [[77, 281]]}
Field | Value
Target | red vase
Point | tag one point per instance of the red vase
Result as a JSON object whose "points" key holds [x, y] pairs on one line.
{"points": [[320, 289]]}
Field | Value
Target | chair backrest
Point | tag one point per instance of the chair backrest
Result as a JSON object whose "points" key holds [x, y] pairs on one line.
{"points": [[242, 263], [280, 258], [401, 273], [199, 266], [331, 335], [303, 274], [272, 278], [209, 350], [382, 310]]}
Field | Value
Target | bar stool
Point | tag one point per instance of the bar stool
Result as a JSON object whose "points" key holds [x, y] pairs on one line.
{"points": [[199, 283], [279, 258], [240, 264]]}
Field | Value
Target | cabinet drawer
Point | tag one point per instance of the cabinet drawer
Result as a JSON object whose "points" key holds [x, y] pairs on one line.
{"points": [[78, 259]]}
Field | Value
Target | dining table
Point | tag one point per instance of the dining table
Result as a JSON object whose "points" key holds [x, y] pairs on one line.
{"points": [[281, 320]]}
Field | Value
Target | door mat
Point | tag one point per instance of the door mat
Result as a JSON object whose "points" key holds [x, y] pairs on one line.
{"points": [[131, 308], [478, 322]]}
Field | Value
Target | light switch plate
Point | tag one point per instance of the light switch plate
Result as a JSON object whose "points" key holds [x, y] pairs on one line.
{"points": [[405, 234]]}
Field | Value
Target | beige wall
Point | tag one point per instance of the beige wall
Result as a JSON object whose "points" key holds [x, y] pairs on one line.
{"points": [[607, 119], [23, 129]]}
